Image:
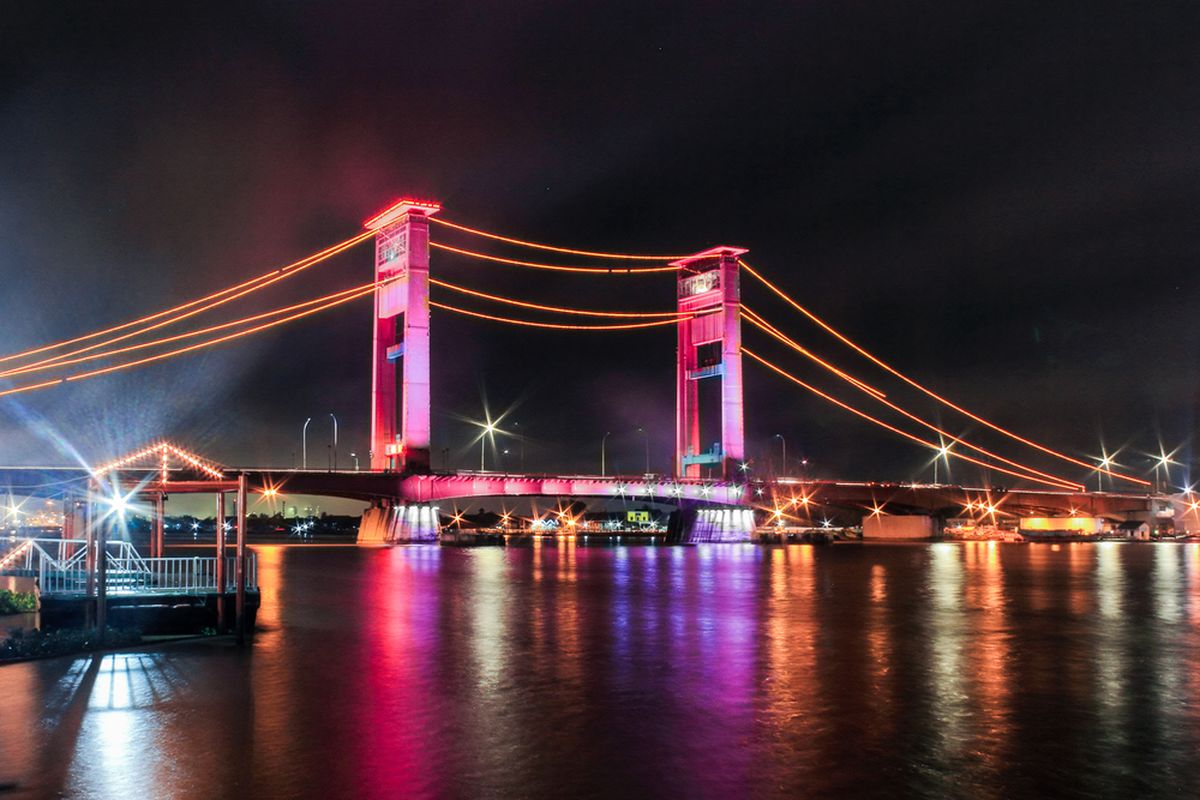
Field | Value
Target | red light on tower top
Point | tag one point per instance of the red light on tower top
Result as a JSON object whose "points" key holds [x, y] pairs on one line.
{"points": [[712, 252], [398, 210]]}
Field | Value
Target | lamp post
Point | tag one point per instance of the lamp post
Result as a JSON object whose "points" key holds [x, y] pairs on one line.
{"points": [[642, 430], [355, 457], [1105, 463], [304, 444], [489, 429], [520, 439], [783, 446], [331, 416], [603, 440]]}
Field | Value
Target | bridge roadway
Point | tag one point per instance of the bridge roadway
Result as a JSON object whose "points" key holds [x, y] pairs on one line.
{"points": [[393, 488]]}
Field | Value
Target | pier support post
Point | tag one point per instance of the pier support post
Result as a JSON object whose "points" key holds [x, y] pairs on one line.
{"points": [[101, 580], [240, 622], [725, 524], [399, 524], [157, 550], [220, 536], [89, 556]]}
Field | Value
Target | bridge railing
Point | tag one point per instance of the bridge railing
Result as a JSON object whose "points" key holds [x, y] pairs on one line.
{"points": [[61, 568]]}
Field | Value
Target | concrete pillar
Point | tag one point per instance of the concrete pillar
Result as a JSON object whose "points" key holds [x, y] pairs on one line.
{"points": [[716, 524], [895, 526], [400, 419], [709, 347], [400, 524]]}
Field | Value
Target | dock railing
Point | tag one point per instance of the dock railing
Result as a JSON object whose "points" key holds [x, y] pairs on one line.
{"points": [[61, 567]]}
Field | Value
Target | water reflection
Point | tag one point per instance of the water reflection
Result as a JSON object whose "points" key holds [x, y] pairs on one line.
{"points": [[973, 670]]}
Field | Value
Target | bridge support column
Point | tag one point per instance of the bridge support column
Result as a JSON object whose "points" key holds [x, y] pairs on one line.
{"points": [[400, 373], [699, 524], [709, 348], [414, 523], [896, 526]]}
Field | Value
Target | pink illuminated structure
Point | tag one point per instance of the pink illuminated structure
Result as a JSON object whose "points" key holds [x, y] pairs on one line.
{"points": [[710, 348], [400, 391]]}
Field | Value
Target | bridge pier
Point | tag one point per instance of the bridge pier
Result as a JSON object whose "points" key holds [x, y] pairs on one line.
{"points": [[701, 524], [918, 527], [399, 524]]}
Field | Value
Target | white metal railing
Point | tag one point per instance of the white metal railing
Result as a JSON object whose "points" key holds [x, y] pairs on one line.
{"points": [[61, 567]]}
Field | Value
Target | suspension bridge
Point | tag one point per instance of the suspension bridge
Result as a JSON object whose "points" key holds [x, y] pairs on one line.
{"points": [[710, 485]]}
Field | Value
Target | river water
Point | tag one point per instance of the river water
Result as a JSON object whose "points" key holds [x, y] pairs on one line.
{"points": [[945, 670]]}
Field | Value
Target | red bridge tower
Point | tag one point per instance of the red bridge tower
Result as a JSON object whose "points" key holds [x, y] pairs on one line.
{"points": [[710, 348], [400, 372]]}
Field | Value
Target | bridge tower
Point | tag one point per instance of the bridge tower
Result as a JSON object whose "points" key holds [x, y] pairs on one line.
{"points": [[400, 372], [710, 348]]}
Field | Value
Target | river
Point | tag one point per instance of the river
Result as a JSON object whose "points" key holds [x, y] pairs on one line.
{"points": [[855, 670]]}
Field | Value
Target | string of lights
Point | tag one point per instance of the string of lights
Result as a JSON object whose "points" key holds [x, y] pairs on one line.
{"points": [[1059, 484], [551, 248], [777, 334], [555, 325], [79, 376], [929, 392], [673, 315], [253, 284], [757, 320], [553, 267], [186, 335]]}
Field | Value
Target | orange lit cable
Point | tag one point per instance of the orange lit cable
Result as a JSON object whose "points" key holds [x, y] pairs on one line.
{"points": [[554, 325], [775, 332], [559, 309], [320, 255], [186, 335], [829, 329], [190, 348], [1056, 483], [757, 320], [535, 245], [554, 267], [260, 283]]}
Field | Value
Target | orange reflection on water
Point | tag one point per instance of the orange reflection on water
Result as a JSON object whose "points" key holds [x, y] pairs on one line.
{"points": [[792, 691]]}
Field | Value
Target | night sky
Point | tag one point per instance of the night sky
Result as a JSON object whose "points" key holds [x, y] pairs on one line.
{"points": [[999, 198]]}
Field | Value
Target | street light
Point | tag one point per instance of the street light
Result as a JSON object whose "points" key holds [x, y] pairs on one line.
{"points": [[603, 439], [334, 440], [304, 443], [783, 445], [355, 457], [1105, 463], [489, 432], [1163, 461], [943, 452]]}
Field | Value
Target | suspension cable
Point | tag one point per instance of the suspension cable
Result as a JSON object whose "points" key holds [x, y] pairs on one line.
{"points": [[537, 246], [775, 332], [674, 315], [880, 363], [758, 321], [221, 297], [554, 267], [192, 334], [557, 326], [79, 376], [1055, 483]]}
